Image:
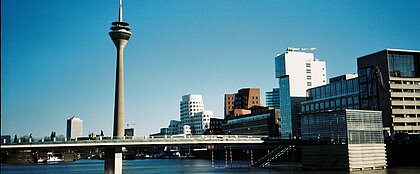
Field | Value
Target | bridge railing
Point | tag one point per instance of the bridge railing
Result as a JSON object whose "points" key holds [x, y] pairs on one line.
{"points": [[100, 139]]}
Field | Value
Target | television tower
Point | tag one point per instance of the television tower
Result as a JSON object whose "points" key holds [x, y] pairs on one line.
{"points": [[120, 33]]}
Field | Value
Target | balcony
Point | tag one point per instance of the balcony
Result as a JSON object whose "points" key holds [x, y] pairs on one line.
{"points": [[405, 111], [404, 86], [404, 94], [406, 128], [406, 119], [406, 102]]}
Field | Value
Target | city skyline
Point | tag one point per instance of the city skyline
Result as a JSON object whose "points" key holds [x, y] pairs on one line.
{"points": [[51, 71]]}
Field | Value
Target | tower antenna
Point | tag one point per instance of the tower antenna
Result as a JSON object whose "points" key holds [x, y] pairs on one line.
{"points": [[120, 17]]}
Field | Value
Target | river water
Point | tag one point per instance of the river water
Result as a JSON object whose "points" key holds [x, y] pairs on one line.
{"points": [[170, 166]]}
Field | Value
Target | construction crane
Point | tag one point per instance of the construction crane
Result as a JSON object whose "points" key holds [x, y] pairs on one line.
{"points": [[299, 49]]}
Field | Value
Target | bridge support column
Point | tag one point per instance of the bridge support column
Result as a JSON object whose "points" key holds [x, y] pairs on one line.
{"points": [[252, 158], [226, 157], [231, 157], [212, 158], [113, 160]]}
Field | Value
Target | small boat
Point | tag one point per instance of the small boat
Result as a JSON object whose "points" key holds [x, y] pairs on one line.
{"points": [[41, 160], [53, 157]]}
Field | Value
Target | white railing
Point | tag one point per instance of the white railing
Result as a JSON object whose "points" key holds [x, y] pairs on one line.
{"points": [[167, 138]]}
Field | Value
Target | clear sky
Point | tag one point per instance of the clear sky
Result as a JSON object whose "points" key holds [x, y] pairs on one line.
{"points": [[57, 59]]}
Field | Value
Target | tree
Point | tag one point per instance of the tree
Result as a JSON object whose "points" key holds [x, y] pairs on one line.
{"points": [[61, 138], [24, 138]]}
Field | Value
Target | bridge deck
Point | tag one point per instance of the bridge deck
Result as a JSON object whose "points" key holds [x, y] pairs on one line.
{"points": [[108, 142]]}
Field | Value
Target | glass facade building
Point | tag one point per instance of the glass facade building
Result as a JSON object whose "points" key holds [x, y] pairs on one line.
{"points": [[344, 139], [344, 126], [272, 98], [339, 95], [389, 81], [262, 121]]}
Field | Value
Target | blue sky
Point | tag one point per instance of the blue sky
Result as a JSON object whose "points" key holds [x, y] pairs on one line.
{"points": [[57, 59]]}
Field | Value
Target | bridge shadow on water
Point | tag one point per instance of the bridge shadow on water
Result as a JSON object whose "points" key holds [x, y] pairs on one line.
{"points": [[175, 166]]}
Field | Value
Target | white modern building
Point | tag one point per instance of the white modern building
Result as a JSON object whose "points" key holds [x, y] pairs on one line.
{"points": [[194, 119], [297, 71], [192, 113], [74, 127], [186, 129]]}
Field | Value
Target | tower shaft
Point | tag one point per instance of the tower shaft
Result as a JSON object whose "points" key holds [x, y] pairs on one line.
{"points": [[119, 89]]}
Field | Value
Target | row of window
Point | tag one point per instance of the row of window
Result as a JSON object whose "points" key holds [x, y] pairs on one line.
{"points": [[345, 102], [196, 110], [190, 106], [405, 115], [404, 82], [335, 89], [191, 102], [409, 131], [406, 124], [406, 90], [308, 74], [239, 98], [405, 107], [405, 98], [247, 119]]}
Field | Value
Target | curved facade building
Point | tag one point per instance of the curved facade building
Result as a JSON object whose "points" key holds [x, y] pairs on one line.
{"points": [[192, 113]]}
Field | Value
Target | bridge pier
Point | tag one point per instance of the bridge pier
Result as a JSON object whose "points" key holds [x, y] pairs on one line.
{"points": [[226, 157], [113, 160]]}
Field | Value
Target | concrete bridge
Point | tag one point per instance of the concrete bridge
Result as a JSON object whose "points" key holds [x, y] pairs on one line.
{"points": [[112, 147], [104, 142]]}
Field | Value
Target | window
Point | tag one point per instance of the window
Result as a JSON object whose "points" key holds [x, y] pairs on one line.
{"points": [[343, 101], [328, 91], [308, 65], [350, 100], [401, 65], [308, 71], [338, 88], [308, 83], [308, 78], [332, 103], [337, 102]]}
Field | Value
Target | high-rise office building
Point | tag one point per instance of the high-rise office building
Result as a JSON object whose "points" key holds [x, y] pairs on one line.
{"points": [[297, 71], [389, 81], [244, 99], [74, 127], [192, 113], [272, 98]]}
